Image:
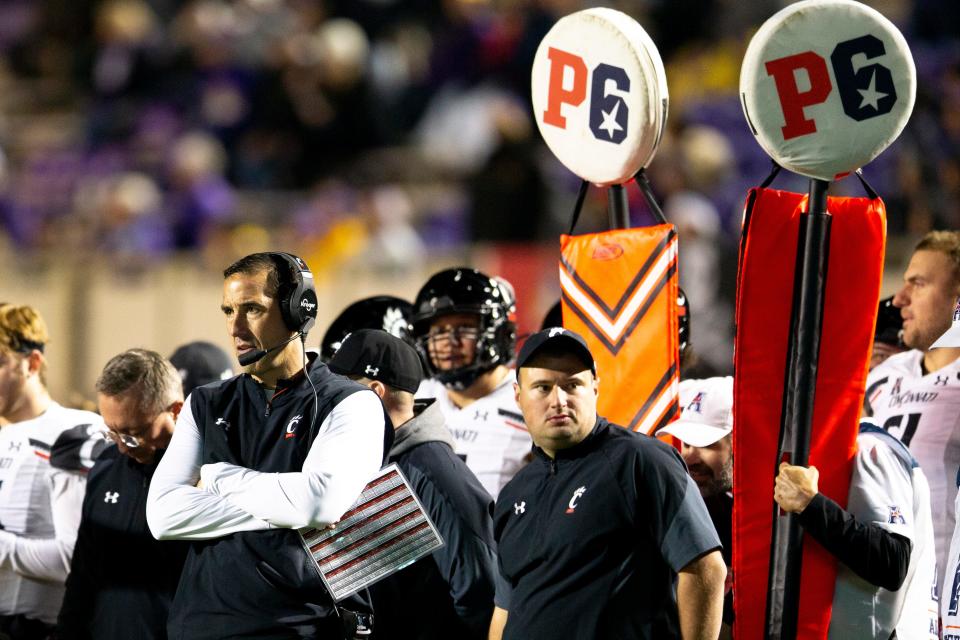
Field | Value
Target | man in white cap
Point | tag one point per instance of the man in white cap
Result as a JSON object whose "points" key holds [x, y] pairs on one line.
{"points": [[705, 431], [915, 395]]}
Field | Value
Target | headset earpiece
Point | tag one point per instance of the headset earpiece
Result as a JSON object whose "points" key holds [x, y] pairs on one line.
{"points": [[297, 294]]}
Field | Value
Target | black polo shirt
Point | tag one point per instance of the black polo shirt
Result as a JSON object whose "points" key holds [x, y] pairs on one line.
{"points": [[590, 542], [121, 580]]}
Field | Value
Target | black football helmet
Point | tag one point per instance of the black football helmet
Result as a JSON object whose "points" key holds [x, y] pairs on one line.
{"points": [[377, 312], [465, 290], [889, 324]]}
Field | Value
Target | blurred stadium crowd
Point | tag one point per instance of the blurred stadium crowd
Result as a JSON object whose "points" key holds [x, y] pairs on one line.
{"points": [[383, 130]]}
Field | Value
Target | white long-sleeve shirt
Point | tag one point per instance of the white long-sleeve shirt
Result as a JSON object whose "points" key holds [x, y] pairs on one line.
{"points": [[40, 509], [340, 462]]}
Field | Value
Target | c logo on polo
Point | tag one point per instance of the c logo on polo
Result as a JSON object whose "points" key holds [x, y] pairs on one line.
{"points": [[599, 95], [826, 86]]}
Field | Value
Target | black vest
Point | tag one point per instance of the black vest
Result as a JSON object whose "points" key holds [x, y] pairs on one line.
{"points": [[260, 583]]}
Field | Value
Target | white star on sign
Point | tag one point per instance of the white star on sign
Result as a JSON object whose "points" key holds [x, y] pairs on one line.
{"points": [[870, 95], [610, 123]]}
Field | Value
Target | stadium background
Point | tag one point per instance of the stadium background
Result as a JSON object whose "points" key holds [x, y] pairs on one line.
{"points": [[146, 144]]}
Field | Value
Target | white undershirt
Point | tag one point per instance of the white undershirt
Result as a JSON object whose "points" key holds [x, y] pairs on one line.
{"points": [[345, 455], [40, 509]]}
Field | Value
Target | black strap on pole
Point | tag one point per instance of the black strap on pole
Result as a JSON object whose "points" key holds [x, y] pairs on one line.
{"points": [[618, 212], [806, 321], [866, 186], [644, 183], [774, 172], [581, 196]]}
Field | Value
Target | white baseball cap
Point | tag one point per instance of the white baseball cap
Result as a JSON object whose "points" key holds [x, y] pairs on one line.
{"points": [[952, 337], [706, 411]]}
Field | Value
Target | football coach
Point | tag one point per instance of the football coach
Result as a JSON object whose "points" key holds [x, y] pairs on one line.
{"points": [[595, 532]]}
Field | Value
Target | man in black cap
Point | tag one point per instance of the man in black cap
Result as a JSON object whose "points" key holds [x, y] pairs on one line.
{"points": [[450, 593], [200, 363], [888, 337], [594, 533]]}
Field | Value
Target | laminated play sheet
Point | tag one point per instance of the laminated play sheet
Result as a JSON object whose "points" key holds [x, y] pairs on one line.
{"points": [[386, 530]]}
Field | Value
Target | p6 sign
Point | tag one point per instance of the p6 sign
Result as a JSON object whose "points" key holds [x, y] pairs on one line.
{"points": [[826, 85], [610, 88], [600, 95]]}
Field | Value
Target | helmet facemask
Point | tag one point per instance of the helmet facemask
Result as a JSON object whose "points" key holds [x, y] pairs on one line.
{"points": [[467, 292], [493, 334]]}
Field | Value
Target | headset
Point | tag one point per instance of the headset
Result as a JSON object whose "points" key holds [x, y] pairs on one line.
{"points": [[297, 294], [297, 298]]}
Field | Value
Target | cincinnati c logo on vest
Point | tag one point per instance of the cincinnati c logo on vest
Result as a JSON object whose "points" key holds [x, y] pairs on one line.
{"points": [[292, 427]]}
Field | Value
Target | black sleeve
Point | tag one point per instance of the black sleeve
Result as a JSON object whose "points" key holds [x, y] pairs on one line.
{"points": [[74, 618], [674, 512], [873, 553], [467, 561]]}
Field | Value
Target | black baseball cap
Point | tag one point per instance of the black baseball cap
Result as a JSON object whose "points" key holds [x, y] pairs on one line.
{"points": [[375, 354], [556, 338], [199, 363], [889, 323]]}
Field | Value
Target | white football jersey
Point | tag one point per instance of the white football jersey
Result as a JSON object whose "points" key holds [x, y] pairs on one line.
{"points": [[489, 433], [888, 489], [40, 510], [950, 599], [923, 411]]}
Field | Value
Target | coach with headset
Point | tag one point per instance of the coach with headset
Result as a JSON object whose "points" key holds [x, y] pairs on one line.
{"points": [[284, 445]]}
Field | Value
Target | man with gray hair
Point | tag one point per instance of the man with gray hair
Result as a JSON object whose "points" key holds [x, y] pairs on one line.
{"points": [[122, 579]]}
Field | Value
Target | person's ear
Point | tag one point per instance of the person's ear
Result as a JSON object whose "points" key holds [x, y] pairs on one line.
{"points": [[34, 361], [378, 388], [175, 409]]}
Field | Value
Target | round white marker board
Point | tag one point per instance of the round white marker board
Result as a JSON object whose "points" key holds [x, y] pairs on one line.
{"points": [[826, 86], [600, 95]]}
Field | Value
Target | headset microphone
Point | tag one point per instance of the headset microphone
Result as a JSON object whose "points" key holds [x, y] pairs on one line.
{"points": [[252, 356]]}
